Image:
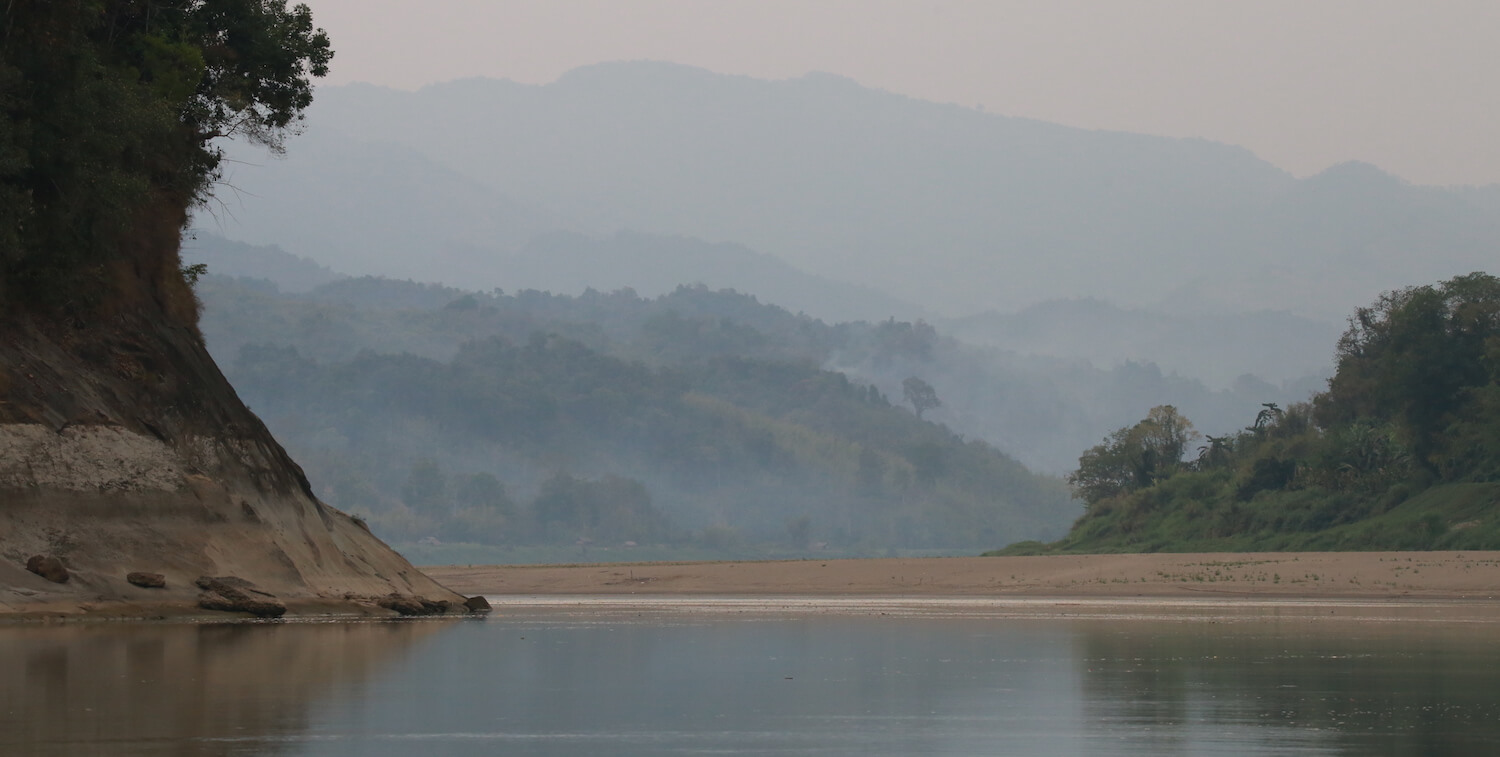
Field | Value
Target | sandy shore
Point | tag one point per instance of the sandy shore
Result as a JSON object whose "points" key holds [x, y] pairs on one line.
{"points": [[1448, 576], [1355, 585]]}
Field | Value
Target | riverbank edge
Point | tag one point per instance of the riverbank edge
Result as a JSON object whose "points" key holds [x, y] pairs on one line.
{"points": [[1292, 576], [297, 610]]}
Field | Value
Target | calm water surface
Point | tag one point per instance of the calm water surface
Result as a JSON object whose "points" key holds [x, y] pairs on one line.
{"points": [[549, 681]]}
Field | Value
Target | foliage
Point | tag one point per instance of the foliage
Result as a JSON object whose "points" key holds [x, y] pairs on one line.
{"points": [[1417, 357], [108, 114], [1135, 457], [1397, 453]]}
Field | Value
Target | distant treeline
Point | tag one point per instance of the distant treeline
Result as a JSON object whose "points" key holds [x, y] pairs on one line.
{"points": [[1401, 452]]}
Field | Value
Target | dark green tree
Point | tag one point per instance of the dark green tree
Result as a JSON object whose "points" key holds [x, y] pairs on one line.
{"points": [[1215, 453], [110, 116], [1268, 416], [1106, 470], [1417, 357], [1133, 457]]}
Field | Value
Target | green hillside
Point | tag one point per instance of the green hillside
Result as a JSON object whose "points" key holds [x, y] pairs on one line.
{"points": [[1401, 452], [701, 419]]}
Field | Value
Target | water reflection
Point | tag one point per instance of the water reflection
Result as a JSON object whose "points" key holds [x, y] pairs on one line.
{"points": [[887, 686], [579, 684], [1350, 688], [181, 689]]}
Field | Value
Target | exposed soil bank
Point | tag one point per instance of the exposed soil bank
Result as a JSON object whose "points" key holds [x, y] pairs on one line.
{"points": [[131, 475]]}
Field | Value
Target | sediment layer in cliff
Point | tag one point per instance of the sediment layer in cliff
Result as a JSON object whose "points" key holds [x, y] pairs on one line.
{"points": [[124, 450]]}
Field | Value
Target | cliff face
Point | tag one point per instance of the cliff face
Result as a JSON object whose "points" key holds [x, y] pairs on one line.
{"points": [[124, 449]]}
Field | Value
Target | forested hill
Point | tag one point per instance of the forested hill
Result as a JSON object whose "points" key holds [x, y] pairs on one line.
{"points": [[1401, 452], [700, 418], [1038, 408]]}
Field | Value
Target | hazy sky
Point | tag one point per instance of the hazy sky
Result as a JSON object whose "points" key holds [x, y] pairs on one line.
{"points": [[1412, 86]]}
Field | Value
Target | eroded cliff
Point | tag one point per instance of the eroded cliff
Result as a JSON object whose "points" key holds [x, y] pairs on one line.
{"points": [[123, 449]]}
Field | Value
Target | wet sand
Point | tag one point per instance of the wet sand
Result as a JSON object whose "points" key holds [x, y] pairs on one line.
{"points": [[1282, 577]]}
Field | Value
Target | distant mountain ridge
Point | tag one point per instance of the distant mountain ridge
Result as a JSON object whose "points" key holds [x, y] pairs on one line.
{"points": [[654, 264], [843, 181], [570, 262], [223, 257], [946, 207], [372, 208], [849, 203]]}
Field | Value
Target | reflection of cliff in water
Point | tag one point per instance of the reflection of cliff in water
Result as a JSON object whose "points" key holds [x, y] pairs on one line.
{"points": [[181, 689], [1352, 688]]}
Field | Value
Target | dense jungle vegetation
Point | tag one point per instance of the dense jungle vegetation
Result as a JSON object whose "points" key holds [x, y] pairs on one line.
{"points": [[1401, 452]]}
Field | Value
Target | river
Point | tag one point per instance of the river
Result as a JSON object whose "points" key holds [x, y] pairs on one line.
{"points": [[750, 678]]}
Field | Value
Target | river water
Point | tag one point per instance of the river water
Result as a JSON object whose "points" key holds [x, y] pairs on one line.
{"points": [[745, 678]]}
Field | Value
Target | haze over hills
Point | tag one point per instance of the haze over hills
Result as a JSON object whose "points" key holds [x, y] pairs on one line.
{"points": [[696, 417], [1024, 393], [954, 210], [1219, 349], [224, 257], [847, 203], [384, 209], [938, 204], [371, 208], [654, 264]]}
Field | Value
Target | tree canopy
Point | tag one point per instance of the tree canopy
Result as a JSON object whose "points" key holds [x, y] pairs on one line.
{"points": [[1402, 450], [109, 112], [1133, 457], [1420, 357]]}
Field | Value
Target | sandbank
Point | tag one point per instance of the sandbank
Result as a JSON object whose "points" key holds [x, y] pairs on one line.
{"points": [[1396, 585]]}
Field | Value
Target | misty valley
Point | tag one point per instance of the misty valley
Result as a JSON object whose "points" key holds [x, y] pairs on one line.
{"points": [[694, 423], [658, 410], [791, 317], [699, 419]]}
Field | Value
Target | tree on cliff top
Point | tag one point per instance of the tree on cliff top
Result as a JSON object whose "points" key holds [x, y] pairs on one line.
{"points": [[109, 115]]}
